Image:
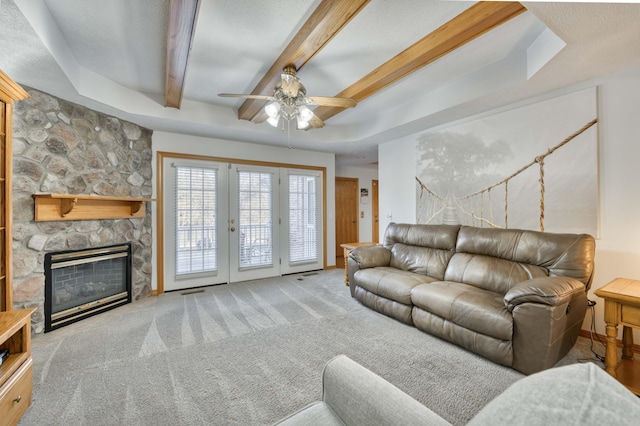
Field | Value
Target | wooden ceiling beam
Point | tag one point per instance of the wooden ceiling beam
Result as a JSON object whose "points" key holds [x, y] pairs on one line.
{"points": [[323, 24], [475, 21], [183, 15]]}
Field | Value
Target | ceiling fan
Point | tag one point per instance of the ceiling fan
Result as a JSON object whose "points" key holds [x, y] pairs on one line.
{"points": [[289, 102]]}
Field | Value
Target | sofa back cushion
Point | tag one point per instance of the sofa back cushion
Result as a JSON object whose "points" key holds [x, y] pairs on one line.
{"points": [[581, 394], [497, 259], [490, 273], [423, 249]]}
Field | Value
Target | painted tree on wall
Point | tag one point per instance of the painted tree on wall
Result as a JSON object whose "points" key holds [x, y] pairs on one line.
{"points": [[455, 165], [533, 167]]}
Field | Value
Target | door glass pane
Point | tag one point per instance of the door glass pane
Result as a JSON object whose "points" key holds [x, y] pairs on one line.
{"points": [[196, 211], [303, 216], [255, 200]]}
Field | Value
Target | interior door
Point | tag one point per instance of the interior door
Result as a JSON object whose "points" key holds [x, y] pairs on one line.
{"points": [[346, 215], [195, 228], [254, 241]]}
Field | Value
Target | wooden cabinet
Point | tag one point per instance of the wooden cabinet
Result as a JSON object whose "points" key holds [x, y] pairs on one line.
{"points": [[9, 92], [15, 325], [16, 372]]}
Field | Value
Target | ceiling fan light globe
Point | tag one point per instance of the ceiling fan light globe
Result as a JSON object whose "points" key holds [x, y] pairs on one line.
{"points": [[305, 114], [273, 110], [273, 121], [302, 124]]}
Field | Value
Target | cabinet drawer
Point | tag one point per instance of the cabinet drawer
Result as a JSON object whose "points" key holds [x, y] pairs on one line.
{"points": [[630, 315], [15, 394]]}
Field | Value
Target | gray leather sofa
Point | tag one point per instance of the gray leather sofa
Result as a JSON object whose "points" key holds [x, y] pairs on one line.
{"points": [[579, 394], [515, 297]]}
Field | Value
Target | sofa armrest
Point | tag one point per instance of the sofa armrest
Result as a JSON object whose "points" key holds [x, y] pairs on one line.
{"points": [[360, 397], [371, 256], [552, 291], [363, 258]]}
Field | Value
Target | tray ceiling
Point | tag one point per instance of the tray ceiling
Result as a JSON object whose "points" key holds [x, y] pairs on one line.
{"points": [[112, 56]]}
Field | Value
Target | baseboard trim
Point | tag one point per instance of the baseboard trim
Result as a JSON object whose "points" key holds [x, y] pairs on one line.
{"points": [[603, 339]]}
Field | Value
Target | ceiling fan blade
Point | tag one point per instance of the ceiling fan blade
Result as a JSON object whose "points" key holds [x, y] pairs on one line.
{"points": [[260, 118], [233, 95], [333, 102]]}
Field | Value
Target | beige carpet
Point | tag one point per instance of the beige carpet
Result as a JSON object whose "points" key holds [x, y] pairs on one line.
{"points": [[244, 354]]}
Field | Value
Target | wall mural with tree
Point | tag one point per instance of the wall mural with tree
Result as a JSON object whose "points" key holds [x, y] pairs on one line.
{"points": [[533, 167]]}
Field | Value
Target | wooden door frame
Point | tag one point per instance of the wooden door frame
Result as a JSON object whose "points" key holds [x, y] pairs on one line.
{"points": [[375, 227]]}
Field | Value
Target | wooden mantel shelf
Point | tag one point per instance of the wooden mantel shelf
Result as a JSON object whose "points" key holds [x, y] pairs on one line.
{"points": [[49, 207]]}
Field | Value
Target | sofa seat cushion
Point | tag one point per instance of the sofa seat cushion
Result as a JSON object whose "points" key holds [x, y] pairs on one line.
{"points": [[497, 350], [385, 306], [390, 283], [470, 307]]}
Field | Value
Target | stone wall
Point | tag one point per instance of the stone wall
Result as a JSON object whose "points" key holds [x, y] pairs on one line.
{"points": [[61, 147]]}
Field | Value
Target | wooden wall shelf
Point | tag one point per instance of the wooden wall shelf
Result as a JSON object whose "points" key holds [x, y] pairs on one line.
{"points": [[50, 207]]}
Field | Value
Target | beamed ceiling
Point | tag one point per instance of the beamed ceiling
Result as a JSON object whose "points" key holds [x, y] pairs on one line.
{"points": [[411, 64]]}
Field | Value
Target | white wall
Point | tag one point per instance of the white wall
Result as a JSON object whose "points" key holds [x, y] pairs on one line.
{"points": [[364, 176], [397, 174], [618, 248], [186, 144], [618, 243]]}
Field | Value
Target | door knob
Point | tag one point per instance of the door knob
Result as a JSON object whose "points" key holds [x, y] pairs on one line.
{"points": [[233, 228]]}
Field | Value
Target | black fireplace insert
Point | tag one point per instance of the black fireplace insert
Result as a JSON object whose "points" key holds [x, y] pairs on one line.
{"points": [[82, 283]]}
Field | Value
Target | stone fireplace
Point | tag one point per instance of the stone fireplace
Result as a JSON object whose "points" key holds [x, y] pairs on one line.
{"points": [[82, 283], [64, 148]]}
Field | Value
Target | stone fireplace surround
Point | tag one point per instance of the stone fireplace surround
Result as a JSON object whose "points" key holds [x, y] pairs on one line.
{"points": [[61, 147]]}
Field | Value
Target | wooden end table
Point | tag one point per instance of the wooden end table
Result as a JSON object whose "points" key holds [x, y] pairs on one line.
{"points": [[347, 249], [622, 306]]}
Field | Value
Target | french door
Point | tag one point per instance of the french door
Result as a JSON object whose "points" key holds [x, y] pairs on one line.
{"points": [[301, 230], [195, 226], [232, 222], [253, 222]]}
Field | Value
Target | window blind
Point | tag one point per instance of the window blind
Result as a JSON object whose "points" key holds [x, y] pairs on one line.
{"points": [[255, 218], [304, 214], [196, 195]]}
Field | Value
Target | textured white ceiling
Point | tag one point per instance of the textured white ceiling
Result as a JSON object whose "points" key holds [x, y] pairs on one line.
{"points": [[236, 42], [110, 55], [120, 39]]}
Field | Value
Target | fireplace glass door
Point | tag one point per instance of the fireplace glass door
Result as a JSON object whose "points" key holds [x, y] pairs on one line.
{"points": [[85, 282]]}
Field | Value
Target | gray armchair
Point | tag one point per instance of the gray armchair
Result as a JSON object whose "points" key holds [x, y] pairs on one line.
{"points": [[578, 394]]}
